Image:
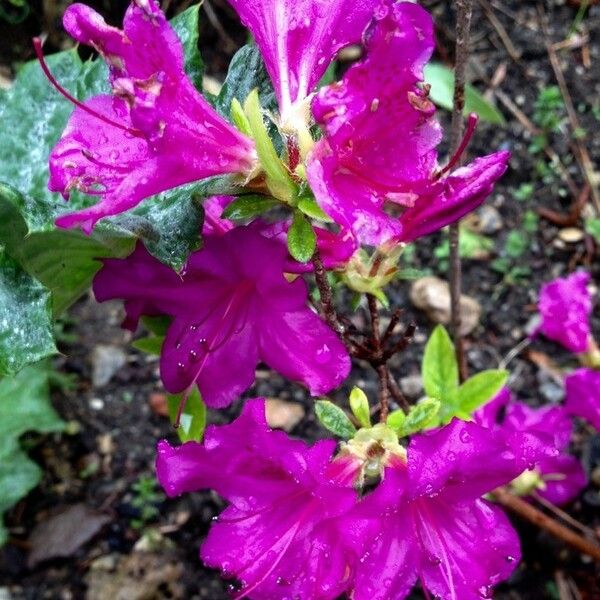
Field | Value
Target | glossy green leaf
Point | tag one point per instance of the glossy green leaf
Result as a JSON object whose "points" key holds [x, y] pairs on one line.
{"points": [[311, 209], [24, 406], [150, 345], [441, 79], [334, 419], [301, 239], [419, 417], [26, 333], [246, 73], [193, 417], [359, 403], [186, 26], [439, 368], [480, 388], [248, 207]]}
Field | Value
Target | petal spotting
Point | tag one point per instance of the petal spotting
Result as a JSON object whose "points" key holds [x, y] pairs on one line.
{"points": [[566, 305], [154, 133], [231, 309], [375, 171], [281, 536], [583, 395], [298, 39]]}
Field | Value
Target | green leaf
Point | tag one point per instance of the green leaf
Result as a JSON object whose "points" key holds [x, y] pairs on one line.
{"points": [[420, 417], [359, 403], [334, 419], [186, 26], [480, 388], [150, 345], [65, 261], [193, 418], [311, 209], [26, 333], [157, 325], [24, 406], [441, 79], [592, 227], [439, 368], [248, 207], [246, 72], [302, 239]]}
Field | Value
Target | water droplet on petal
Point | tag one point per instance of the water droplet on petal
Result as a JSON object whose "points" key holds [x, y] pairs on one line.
{"points": [[193, 356], [510, 559], [180, 366], [465, 436], [485, 591]]}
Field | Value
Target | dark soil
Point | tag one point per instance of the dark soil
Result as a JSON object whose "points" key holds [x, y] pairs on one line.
{"points": [[118, 426]]}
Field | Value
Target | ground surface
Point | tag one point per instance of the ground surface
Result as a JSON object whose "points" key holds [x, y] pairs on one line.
{"points": [[120, 422]]}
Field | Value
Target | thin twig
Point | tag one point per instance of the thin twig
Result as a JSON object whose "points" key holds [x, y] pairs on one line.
{"points": [[377, 353], [394, 320], [396, 392], [500, 30], [582, 154], [464, 11], [230, 44], [384, 392], [543, 521], [566, 517], [326, 296], [403, 343]]}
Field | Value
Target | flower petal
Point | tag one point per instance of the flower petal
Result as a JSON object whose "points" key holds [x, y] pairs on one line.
{"points": [[163, 132], [300, 346], [465, 461], [566, 305], [467, 548], [458, 194], [563, 477], [299, 38], [583, 395]]}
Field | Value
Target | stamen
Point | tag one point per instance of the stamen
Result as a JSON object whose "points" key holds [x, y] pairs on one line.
{"points": [[471, 125], [37, 44]]}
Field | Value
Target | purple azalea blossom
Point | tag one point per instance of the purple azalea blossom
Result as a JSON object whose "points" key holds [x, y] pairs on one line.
{"points": [[379, 149], [426, 521], [298, 39], [231, 309], [562, 476], [566, 305], [280, 537], [583, 395], [155, 133]]}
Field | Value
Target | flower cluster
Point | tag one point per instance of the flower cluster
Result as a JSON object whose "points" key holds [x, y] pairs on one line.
{"points": [[296, 527], [302, 521]]}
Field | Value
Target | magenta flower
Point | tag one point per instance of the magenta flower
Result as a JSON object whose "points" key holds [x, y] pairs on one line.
{"points": [[583, 395], [231, 309], [280, 537], [375, 171], [566, 305], [298, 39], [557, 476], [426, 521], [155, 133]]}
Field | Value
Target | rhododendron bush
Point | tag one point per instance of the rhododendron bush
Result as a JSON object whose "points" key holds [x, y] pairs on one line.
{"points": [[227, 224]]}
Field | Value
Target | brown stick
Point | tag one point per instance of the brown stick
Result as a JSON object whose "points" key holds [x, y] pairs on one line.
{"points": [[464, 11], [384, 392], [543, 521], [327, 307]]}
